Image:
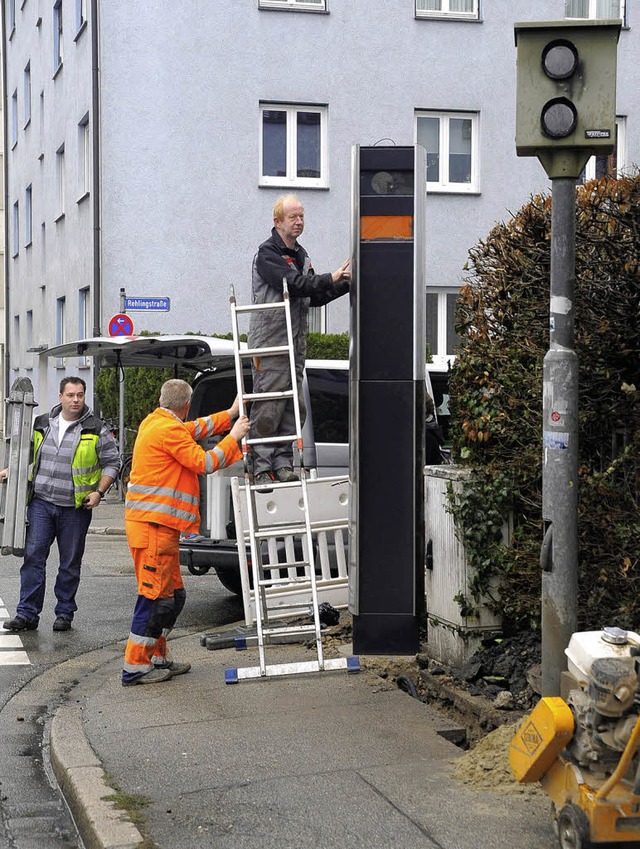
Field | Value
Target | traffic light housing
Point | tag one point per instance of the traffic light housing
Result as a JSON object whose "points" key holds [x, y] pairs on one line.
{"points": [[566, 92]]}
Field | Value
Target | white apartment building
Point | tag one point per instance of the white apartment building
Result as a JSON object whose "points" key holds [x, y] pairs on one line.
{"points": [[146, 143]]}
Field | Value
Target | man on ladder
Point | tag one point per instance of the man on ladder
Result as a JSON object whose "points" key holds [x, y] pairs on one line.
{"points": [[281, 256]]}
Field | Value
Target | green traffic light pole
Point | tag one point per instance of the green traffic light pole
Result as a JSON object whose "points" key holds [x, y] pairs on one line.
{"points": [[559, 553]]}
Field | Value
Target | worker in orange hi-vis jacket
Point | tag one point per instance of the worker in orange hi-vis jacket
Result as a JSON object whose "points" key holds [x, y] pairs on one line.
{"points": [[162, 502]]}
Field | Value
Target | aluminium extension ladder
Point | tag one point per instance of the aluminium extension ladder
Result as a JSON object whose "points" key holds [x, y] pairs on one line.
{"points": [[13, 491], [300, 572]]}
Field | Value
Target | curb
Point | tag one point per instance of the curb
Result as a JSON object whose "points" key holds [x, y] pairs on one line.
{"points": [[83, 783], [108, 531]]}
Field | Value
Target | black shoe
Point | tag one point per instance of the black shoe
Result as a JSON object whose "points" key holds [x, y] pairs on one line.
{"points": [[62, 624], [285, 475], [19, 624], [263, 479]]}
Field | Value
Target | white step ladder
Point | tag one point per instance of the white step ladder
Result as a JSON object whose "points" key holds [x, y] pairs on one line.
{"points": [[13, 491], [263, 528]]}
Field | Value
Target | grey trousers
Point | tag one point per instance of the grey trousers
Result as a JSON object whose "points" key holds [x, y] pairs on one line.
{"points": [[274, 417]]}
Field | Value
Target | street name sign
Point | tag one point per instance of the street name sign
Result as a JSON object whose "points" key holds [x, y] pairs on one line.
{"points": [[147, 304]]}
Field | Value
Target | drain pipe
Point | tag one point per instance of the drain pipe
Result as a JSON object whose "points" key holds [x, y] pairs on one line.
{"points": [[5, 122], [95, 188]]}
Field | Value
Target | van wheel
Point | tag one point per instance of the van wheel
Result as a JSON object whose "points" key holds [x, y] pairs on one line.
{"points": [[198, 570], [230, 581]]}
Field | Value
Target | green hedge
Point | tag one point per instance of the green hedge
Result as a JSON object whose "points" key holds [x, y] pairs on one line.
{"points": [[496, 403]]}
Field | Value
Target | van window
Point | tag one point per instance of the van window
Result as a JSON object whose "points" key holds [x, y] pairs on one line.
{"points": [[329, 392]]}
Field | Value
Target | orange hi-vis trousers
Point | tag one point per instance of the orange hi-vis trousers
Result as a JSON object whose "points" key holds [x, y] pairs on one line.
{"points": [[161, 596]]}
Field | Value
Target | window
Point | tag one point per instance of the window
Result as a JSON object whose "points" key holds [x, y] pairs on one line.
{"points": [[12, 16], [451, 142], [15, 230], [447, 9], [60, 178], [442, 338], [84, 157], [28, 216], [329, 394], [611, 165], [595, 9], [29, 330], [60, 334], [81, 14], [84, 320], [16, 337], [304, 5], [293, 146], [27, 94], [14, 118], [57, 35]]}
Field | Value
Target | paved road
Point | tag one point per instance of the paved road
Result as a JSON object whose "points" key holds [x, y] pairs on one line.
{"points": [[33, 815]]}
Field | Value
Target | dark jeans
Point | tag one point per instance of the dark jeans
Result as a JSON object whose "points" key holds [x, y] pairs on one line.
{"points": [[68, 526]]}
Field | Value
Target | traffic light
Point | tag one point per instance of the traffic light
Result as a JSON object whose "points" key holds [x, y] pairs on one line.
{"points": [[566, 88]]}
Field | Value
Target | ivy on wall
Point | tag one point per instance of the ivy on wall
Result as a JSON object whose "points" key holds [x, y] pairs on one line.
{"points": [[496, 403]]}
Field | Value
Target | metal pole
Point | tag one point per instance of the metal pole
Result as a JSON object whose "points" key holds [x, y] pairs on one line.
{"points": [[559, 557]]}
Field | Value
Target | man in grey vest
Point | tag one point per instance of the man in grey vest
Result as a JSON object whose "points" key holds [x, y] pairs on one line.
{"points": [[75, 460], [281, 256]]}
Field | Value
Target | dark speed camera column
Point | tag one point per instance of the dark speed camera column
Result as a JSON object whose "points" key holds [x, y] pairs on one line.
{"points": [[387, 373]]}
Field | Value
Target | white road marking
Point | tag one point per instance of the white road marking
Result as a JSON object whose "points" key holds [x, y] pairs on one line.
{"points": [[12, 652]]}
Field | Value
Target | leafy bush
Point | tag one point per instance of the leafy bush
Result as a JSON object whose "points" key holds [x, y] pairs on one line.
{"points": [[496, 401]]}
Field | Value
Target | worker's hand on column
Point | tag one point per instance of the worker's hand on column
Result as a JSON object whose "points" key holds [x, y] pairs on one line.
{"points": [[4, 474], [240, 428], [342, 273], [234, 408]]}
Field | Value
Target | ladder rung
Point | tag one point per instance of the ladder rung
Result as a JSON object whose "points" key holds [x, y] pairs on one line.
{"points": [[262, 352], [265, 439], [268, 396], [280, 531], [272, 582], [276, 305], [291, 564], [289, 629]]}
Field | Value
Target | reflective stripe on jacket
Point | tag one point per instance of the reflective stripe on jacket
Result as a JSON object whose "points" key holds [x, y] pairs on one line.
{"points": [[163, 487], [85, 466]]}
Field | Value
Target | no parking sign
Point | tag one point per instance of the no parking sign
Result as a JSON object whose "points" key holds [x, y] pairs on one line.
{"points": [[120, 325]]}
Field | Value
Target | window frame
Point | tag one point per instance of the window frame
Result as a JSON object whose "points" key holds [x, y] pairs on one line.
{"points": [[84, 320], [27, 94], [447, 14], [295, 5], [60, 181], [291, 179], [28, 216], [444, 185], [61, 307], [84, 158], [81, 16], [58, 37], [592, 12], [14, 119], [15, 229], [440, 353]]}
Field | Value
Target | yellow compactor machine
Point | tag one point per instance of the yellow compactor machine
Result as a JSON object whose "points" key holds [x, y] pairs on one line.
{"points": [[584, 746]]}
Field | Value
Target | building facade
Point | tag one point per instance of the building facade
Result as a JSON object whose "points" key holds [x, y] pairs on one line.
{"points": [[146, 144]]}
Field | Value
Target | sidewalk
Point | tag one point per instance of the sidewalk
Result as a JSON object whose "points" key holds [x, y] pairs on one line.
{"points": [[319, 761], [108, 517], [302, 762]]}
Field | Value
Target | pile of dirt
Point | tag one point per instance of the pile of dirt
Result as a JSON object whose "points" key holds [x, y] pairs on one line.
{"points": [[486, 766]]}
